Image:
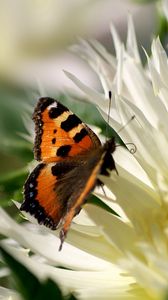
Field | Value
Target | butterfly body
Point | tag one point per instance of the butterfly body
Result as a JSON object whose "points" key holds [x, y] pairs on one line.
{"points": [[71, 158]]}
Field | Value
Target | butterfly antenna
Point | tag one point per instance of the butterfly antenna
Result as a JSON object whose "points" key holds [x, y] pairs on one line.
{"points": [[108, 115], [133, 149], [102, 187], [130, 120]]}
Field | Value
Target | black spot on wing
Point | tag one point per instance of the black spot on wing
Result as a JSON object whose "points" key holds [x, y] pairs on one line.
{"points": [[53, 141], [63, 150], [55, 112], [80, 135], [60, 169], [71, 122]]}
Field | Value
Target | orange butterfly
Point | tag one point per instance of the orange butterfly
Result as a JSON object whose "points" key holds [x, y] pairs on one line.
{"points": [[71, 158]]}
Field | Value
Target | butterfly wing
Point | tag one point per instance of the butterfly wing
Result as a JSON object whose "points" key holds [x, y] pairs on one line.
{"points": [[40, 197], [54, 192], [81, 181], [59, 133]]}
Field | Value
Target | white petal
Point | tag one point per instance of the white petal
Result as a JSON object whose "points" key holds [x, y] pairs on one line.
{"points": [[143, 133], [97, 246], [8, 294], [163, 93], [110, 200], [4, 272], [120, 234], [149, 279], [116, 40], [104, 53], [83, 219], [119, 74], [121, 292], [90, 230], [46, 244], [160, 60], [142, 93], [132, 47], [137, 200], [102, 63], [156, 80], [70, 280], [126, 160], [93, 96], [87, 239]]}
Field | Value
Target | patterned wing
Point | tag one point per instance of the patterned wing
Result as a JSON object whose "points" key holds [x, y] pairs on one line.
{"points": [[55, 192], [59, 133], [40, 197]]}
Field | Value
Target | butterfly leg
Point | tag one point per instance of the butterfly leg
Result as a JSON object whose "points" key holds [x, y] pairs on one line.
{"points": [[102, 187], [67, 223], [62, 236]]}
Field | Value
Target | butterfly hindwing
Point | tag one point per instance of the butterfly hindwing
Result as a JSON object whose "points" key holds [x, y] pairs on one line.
{"points": [[41, 199], [59, 133], [55, 192]]}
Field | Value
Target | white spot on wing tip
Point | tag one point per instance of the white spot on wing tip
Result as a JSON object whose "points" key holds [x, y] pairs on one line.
{"points": [[54, 104]]}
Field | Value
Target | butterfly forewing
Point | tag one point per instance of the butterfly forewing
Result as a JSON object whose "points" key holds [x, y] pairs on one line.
{"points": [[59, 132]]}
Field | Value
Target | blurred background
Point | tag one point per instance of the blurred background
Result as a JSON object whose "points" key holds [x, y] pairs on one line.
{"points": [[35, 40]]}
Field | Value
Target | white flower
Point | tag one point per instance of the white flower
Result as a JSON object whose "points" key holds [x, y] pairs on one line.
{"points": [[141, 189], [7, 294], [86, 275], [122, 257]]}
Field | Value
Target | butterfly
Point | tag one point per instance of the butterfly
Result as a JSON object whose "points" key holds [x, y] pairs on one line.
{"points": [[70, 157]]}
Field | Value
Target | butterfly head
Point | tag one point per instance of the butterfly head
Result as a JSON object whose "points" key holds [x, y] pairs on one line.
{"points": [[110, 145]]}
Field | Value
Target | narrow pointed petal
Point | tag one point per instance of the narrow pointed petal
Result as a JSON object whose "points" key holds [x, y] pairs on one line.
{"points": [[93, 96], [132, 47], [160, 60], [70, 280], [46, 244], [116, 39], [8, 294], [120, 234], [136, 199]]}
